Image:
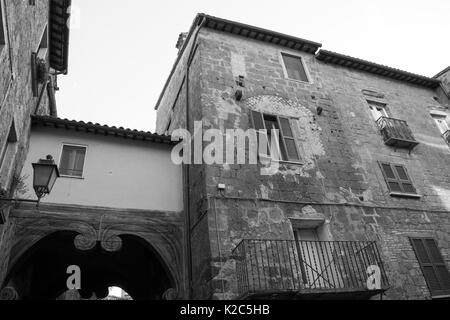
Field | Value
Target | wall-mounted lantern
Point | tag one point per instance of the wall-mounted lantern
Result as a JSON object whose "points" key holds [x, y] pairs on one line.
{"points": [[44, 177]]}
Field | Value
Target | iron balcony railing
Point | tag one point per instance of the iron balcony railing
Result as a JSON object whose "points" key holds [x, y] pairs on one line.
{"points": [[268, 267], [446, 136], [396, 133]]}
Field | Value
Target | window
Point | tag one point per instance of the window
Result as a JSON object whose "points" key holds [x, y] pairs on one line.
{"points": [[294, 67], [441, 122], [398, 180], [2, 27], [43, 46], [287, 145], [72, 161], [433, 266], [39, 64], [11, 139], [378, 110]]}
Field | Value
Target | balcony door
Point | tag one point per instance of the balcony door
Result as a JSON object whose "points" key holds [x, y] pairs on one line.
{"points": [[318, 260], [378, 110], [312, 258]]}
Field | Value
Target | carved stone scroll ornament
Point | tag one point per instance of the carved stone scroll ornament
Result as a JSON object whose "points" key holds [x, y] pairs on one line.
{"points": [[170, 294], [8, 294], [110, 241], [88, 238]]}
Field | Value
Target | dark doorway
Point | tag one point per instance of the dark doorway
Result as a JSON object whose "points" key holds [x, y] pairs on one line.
{"points": [[41, 273]]}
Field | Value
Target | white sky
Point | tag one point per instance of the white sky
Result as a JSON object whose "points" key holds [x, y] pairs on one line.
{"points": [[121, 52]]}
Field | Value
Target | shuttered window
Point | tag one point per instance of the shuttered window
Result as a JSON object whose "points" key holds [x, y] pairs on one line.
{"points": [[397, 178], [72, 161], [433, 266], [288, 145]]}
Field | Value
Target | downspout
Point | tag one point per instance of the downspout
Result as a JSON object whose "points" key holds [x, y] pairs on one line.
{"points": [[187, 166], [51, 98]]}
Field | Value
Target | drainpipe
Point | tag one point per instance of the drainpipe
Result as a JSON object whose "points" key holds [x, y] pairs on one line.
{"points": [[51, 98], [187, 166]]}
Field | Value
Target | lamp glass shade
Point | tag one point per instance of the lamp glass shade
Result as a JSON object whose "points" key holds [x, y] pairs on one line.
{"points": [[44, 177]]}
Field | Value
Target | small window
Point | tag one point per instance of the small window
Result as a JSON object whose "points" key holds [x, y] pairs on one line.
{"points": [[397, 179], [72, 161], [433, 266], [294, 67], [287, 144], [378, 110]]}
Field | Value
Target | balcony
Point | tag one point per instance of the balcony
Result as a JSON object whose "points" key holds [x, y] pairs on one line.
{"points": [[446, 136], [396, 133], [272, 269]]}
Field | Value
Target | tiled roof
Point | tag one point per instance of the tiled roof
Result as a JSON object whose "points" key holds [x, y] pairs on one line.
{"points": [[260, 34], [442, 72], [96, 128]]}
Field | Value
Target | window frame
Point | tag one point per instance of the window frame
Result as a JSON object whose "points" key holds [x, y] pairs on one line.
{"points": [[398, 180], [3, 35], [302, 60], [10, 141], [372, 104], [42, 50], [282, 136], [82, 177], [437, 117], [431, 263]]}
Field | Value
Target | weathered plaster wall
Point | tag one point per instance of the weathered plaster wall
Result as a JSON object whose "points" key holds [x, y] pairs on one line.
{"points": [[24, 24], [117, 173], [338, 181], [340, 150]]}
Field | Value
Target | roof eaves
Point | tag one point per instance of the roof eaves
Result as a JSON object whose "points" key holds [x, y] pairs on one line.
{"points": [[442, 72], [97, 128], [261, 34], [371, 67]]}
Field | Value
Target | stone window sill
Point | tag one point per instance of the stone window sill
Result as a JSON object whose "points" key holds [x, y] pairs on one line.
{"points": [[281, 162], [71, 177], [405, 195], [443, 297]]}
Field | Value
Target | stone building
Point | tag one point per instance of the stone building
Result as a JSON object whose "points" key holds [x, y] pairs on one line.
{"points": [[360, 205], [33, 51]]}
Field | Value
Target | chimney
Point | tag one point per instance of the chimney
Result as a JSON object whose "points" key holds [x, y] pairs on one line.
{"points": [[181, 39]]}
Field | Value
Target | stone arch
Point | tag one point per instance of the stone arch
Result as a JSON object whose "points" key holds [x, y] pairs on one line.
{"points": [[101, 267], [101, 229]]}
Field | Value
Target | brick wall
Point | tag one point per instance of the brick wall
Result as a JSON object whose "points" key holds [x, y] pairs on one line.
{"points": [[339, 180], [25, 25]]}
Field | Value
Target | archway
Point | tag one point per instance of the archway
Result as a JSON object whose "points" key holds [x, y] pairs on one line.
{"points": [[41, 272]]}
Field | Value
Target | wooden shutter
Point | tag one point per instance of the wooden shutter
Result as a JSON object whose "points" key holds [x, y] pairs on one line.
{"points": [[259, 125], [258, 120], [288, 140], [433, 266], [397, 178]]}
